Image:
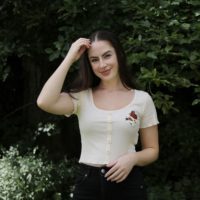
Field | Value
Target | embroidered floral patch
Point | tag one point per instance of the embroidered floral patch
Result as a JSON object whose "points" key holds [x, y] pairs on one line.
{"points": [[132, 118]]}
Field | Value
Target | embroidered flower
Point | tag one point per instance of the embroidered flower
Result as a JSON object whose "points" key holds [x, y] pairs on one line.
{"points": [[132, 118]]}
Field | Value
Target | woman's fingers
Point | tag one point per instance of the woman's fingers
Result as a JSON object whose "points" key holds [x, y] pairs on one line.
{"points": [[117, 175], [82, 42], [120, 168], [111, 173], [78, 47]]}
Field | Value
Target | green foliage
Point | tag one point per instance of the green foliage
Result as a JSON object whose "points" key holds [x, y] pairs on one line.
{"points": [[28, 176], [184, 189], [163, 44], [24, 29], [46, 128], [5, 50], [24, 177], [78, 18], [181, 146], [64, 177], [165, 193], [176, 174]]}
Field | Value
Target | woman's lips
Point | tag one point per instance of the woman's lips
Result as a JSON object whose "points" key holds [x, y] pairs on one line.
{"points": [[106, 72]]}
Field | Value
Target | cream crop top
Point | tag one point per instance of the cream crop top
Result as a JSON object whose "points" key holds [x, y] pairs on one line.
{"points": [[108, 134]]}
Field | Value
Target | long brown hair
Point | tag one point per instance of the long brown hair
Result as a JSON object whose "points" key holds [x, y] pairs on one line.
{"points": [[87, 78]]}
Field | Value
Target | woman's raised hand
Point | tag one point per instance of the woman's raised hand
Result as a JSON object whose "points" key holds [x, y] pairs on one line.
{"points": [[77, 48]]}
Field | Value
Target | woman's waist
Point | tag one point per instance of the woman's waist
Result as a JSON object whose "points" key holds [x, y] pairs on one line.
{"points": [[93, 164]]}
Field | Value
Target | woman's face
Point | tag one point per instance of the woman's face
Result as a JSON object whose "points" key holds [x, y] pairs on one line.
{"points": [[103, 59]]}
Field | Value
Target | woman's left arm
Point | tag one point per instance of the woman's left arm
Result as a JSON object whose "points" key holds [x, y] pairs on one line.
{"points": [[150, 146]]}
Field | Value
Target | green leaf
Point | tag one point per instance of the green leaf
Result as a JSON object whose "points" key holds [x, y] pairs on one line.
{"points": [[168, 48], [195, 102], [54, 56], [49, 51], [186, 26], [152, 55]]}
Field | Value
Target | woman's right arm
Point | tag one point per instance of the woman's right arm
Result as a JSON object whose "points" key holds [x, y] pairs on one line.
{"points": [[51, 99]]}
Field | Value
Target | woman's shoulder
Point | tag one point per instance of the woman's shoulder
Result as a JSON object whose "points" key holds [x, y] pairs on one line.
{"points": [[142, 93], [143, 97], [81, 93]]}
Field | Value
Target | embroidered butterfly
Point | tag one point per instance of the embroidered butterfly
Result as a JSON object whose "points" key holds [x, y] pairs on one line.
{"points": [[132, 118]]}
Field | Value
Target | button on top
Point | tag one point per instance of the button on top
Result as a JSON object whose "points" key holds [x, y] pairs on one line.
{"points": [[109, 141], [108, 150], [109, 127], [103, 171], [109, 118], [109, 138]]}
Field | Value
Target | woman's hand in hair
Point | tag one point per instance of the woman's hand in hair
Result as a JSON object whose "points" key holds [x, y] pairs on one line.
{"points": [[78, 48]]}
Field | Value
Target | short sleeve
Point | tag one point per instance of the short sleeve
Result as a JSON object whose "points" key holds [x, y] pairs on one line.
{"points": [[76, 102], [149, 116]]}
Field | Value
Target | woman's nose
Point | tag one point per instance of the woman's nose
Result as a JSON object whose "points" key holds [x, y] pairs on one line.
{"points": [[102, 63]]}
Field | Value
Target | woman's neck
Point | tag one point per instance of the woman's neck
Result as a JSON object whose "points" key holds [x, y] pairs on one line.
{"points": [[111, 85]]}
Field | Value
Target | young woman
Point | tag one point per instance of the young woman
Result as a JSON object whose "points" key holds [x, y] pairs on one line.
{"points": [[112, 116]]}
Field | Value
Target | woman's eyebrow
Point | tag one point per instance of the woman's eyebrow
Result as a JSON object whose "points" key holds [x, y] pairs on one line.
{"points": [[109, 51]]}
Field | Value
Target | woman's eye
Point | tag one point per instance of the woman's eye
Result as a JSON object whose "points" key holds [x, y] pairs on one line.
{"points": [[107, 56], [94, 60]]}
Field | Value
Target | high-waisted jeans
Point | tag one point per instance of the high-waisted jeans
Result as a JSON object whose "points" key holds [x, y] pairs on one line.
{"points": [[92, 185]]}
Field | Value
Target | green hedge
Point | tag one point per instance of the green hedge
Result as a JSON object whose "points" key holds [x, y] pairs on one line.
{"points": [[24, 177], [30, 176]]}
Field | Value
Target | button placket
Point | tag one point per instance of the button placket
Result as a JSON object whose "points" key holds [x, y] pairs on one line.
{"points": [[109, 136]]}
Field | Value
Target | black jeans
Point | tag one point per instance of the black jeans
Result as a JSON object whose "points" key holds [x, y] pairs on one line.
{"points": [[91, 185]]}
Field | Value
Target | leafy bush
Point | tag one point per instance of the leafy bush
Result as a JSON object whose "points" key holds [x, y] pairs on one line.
{"points": [[64, 175], [25, 177], [165, 193], [184, 189], [31, 177], [175, 176]]}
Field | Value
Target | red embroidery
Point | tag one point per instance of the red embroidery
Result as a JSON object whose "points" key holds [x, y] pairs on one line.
{"points": [[132, 117]]}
